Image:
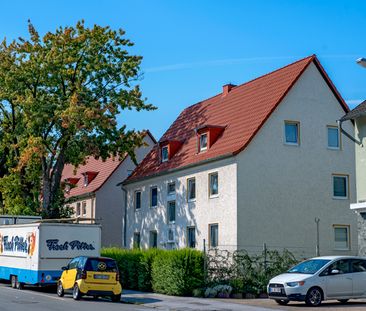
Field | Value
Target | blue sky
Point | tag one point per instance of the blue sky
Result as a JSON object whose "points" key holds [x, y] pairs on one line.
{"points": [[192, 48]]}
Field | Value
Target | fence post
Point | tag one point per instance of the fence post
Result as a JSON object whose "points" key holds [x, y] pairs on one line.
{"points": [[265, 257], [204, 262]]}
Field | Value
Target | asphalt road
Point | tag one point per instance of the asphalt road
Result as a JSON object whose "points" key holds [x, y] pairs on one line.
{"points": [[42, 299]]}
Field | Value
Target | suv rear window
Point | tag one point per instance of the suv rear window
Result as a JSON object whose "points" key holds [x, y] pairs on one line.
{"points": [[100, 264]]}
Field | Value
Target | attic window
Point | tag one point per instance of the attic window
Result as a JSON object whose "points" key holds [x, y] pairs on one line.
{"points": [[89, 177], [164, 154], [86, 180], [203, 142]]}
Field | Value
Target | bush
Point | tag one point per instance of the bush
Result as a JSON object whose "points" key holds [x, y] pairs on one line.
{"points": [[178, 272]]}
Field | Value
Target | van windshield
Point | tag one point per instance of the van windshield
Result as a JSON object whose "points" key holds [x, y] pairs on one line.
{"points": [[101, 265], [309, 266]]}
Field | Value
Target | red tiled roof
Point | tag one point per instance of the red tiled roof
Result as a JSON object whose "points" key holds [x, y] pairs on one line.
{"points": [[104, 169], [242, 112]]}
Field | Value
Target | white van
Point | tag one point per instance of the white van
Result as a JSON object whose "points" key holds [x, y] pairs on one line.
{"points": [[34, 253]]}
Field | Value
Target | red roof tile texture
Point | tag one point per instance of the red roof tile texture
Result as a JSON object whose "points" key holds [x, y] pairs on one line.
{"points": [[104, 169], [242, 111]]}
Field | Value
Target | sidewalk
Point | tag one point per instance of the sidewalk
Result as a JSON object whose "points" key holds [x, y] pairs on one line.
{"points": [[164, 302]]}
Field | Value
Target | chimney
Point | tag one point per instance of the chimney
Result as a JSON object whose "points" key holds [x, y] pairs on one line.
{"points": [[226, 89]]}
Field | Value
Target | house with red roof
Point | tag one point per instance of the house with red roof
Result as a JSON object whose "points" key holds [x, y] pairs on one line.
{"points": [[91, 191], [261, 162]]}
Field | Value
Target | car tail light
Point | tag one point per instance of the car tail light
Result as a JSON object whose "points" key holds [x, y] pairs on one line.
{"points": [[117, 276], [83, 274]]}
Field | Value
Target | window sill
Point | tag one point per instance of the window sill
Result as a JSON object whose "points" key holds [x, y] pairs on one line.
{"points": [[215, 196], [292, 144], [333, 148], [154, 206], [191, 200], [342, 249], [340, 198], [137, 210]]}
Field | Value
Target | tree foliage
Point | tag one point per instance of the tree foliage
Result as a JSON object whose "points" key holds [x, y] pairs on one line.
{"points": [[59, 99]]}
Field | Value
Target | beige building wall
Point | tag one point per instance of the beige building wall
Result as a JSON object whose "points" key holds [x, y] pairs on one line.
{"points": [[200, 213], [360, 131], [283, 188]]}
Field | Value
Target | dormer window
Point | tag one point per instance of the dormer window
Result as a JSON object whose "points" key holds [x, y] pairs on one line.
{"points": [[88, 177], [203, 142], [86, 180], [164, 154]]}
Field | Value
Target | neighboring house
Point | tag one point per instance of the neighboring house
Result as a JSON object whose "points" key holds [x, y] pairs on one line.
{"points": [[255, 164], [92, 192], [358, 116]]}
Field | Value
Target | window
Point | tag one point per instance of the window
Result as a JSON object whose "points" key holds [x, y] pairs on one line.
{"points": [[84, 208], [153, 239], [171, 235], [214, 235], [203, 142], [171, 188], [136, 240], [333, 137], [340, 186], [164, 154], [341, 237], [191, 185], [86, 179], [191, 237], [214, 184], [153, 197], [358, 265], [137, 200], [78, 209], [171, 211], [292, 133]]}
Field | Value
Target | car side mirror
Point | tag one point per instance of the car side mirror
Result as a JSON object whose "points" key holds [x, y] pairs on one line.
{"points": [[64, 268], [335, 271]]}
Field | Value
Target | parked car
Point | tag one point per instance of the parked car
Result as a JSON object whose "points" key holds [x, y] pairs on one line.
{"points": [[321, 278], [90, 276]]}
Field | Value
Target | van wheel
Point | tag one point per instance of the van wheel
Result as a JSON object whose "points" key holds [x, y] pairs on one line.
{"points": [[343, 301], [76, 292], [19, 285], [116, 298], [13, 281], [60, 289], [314, 297]]}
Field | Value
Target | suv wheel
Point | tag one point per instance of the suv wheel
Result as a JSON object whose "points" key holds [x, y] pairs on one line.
{"points": [[60, 289], [314, 297], [76, 292]]}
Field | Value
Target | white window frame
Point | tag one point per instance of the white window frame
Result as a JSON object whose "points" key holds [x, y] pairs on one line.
{"points": [[289, 122], [167, 188], [195, 238], [168, 212], [188, 189], [339, 137], [162, 153], [206, 147], [348, 247], [135, 200], [209, 185], [157, 193], [83, 208], [135, 244], [78, 209], [150, 238], [347, 186], [209, 235]]}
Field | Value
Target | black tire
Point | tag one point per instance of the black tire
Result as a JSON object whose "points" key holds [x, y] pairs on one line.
{"points": [[314, 297], [76, 294], [116, 298], [60, 289], [343, 301], [19, 285], [13, 281], [282, 302]]}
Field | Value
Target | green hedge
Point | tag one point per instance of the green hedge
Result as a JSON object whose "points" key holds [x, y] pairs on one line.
{"points": [[173, 272], [178, 272]]}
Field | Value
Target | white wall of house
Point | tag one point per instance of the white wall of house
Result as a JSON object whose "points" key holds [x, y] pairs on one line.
{"points": [[360, 131], [283, 188], [199, 213]]}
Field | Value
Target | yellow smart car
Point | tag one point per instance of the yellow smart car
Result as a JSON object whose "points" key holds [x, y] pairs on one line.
{"points": [[90, 276]]}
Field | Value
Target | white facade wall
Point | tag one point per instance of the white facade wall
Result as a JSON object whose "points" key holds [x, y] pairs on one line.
{"points": [[360, 131], [200, 213], [283, 188]]}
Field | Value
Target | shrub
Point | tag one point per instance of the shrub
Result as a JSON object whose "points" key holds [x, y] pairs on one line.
{"points": [[178, 272]]}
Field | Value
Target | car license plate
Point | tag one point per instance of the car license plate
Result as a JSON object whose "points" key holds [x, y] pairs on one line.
{"points": [[274, 289], [101, 276]]}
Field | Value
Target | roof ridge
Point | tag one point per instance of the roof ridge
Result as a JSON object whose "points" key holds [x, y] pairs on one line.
{"points": [[311, 57]]}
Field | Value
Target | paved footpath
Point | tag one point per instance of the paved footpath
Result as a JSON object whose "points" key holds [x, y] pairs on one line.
{"points": [[164, 302]]}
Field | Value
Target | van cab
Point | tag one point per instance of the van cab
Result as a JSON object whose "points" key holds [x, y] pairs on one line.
{"points": [[90, 276]]}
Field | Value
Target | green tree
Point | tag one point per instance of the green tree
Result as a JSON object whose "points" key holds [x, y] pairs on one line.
{"points": [[59, 99]]}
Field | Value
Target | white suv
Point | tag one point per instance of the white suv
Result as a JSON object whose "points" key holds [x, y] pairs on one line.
{"points": [[321, 278]]}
